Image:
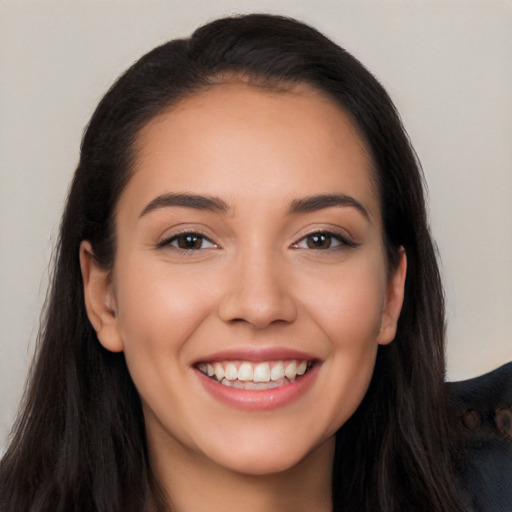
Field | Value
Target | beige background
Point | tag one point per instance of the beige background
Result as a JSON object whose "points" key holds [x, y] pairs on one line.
{"points": [[447, 64]]}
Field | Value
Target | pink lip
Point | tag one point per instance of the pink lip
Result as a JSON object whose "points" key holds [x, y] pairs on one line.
{"points": [[259, 400], [258, 355]]}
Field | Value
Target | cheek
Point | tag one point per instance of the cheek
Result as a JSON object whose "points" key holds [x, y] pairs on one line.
{"points": [[158, 309], [349, 313], [349, 307]]}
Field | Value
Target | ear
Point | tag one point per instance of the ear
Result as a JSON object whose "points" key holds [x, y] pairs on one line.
{"points": [[393, 301], [99, 300]]}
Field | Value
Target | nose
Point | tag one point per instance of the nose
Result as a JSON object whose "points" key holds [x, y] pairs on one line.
{"points": [[258, 293]]}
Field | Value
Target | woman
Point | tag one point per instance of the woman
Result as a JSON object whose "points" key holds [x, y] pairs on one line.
{"points": [[230, 325]]}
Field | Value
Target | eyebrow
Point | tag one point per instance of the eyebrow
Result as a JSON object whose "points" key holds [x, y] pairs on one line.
{"points": [[217, 205], [319, 202], [198, 202]]}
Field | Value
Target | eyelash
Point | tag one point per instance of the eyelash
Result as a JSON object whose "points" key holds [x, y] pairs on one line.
{"points": [[342, 241], [182, 236]]}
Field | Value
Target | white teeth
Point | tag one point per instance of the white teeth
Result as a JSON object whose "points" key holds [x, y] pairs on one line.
{"points": [[277, 372], [250, 385], [245, 372], [262, 373], [231, 372], [219, 371], [301, 369], [291, 370]]}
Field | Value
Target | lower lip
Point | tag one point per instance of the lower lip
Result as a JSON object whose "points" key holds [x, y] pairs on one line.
{"points": [[259, 399]]}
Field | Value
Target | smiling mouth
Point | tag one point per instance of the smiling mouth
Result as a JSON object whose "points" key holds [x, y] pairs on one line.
{"points": [[255, 376]]}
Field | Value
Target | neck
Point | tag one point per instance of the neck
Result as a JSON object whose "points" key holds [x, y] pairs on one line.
{"points": [[194, 484]]}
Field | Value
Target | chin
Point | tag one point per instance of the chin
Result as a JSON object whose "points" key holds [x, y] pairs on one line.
{"points": [[260, 459], [263, 464]]}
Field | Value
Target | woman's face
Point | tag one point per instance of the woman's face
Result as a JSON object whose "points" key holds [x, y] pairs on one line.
{"points": [[249, 291]]}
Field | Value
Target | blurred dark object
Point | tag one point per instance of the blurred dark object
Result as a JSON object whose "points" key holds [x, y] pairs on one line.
{"points": [[480, 411]]}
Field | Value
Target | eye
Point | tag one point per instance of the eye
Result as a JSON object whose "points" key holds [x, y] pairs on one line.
{"points": [[188, 242], [323, 240]]}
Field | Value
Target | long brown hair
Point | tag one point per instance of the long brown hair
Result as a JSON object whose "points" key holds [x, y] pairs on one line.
{"points": [[79, 442]]}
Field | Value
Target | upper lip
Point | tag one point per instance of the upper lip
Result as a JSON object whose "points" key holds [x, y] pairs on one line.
{"points": [[257, 355]]}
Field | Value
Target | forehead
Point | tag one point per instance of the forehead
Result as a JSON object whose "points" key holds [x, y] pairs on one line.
{"points": [[284, 142]]}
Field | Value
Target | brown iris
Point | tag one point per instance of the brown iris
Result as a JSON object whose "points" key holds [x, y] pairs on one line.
{"points": [[189, 241], [319, 241]]}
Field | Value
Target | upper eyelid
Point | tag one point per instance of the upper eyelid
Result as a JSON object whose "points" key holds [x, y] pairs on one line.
{"points": [[185, 229], [341, 234], [336, 236]]}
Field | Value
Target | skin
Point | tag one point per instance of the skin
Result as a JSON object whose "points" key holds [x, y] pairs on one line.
{"points": [[256, 282]]}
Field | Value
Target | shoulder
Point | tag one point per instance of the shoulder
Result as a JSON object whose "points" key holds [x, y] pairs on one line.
{"points": [[480, 414]]}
